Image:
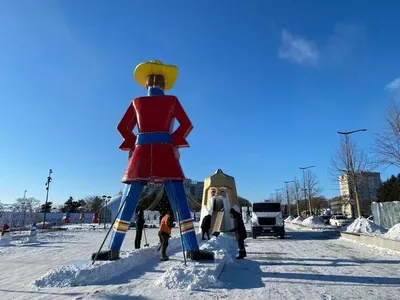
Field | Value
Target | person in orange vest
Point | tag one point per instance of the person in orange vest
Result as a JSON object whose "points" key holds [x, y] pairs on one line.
{"points": [[164, 234]]}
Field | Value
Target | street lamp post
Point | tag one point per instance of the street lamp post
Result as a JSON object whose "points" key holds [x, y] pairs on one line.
{"points": [[47, 184], [305, 189], [277, 194], [287, 194], [272, 196], [350, 166]]}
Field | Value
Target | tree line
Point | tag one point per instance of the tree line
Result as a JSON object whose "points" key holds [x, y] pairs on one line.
{"points": [[89, 204]]}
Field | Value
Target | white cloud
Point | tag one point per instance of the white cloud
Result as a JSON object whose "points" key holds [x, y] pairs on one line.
{"points": [[298, 49], [393, 86], [339, 46]]}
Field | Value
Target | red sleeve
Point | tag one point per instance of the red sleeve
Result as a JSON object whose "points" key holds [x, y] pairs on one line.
{"points": [[126, 126], [185, 126]]}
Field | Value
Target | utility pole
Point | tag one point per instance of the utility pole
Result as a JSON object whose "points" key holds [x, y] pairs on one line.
{"points": [[350, 166], [287, 194], [305, 189], [47, 184]]}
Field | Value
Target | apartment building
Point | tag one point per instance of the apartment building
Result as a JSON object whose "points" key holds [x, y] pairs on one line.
{"points": [[367, 186]]}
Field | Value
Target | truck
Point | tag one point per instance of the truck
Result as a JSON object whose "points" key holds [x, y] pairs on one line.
{"points": [[267, 219]]}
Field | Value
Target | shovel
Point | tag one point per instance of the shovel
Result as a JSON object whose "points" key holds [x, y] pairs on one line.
{"points": [[145, 237]]}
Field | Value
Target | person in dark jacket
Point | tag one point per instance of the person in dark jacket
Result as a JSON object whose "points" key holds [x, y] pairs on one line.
{"points": [[205, 226], [240, 230], [139, 228]]}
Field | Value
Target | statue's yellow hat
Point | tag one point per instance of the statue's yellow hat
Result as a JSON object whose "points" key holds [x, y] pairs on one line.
{"points": [[143, 70]]}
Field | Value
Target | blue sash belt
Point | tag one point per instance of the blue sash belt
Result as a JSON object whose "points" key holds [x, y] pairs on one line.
{"points": [[153, 138]]}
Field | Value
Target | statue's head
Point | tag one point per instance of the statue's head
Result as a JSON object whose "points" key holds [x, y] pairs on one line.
{"points": [[155, 73]]}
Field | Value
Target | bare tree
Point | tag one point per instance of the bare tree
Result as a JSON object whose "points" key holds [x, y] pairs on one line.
{"points": [[295, 193], [349, 161], [24, 210], [313, 187], [387, 144]]}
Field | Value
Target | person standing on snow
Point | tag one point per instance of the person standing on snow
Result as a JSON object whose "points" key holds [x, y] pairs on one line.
{"points": [[205, 226], [139, 228], [5, 229], [240, 230], [164, 234]]}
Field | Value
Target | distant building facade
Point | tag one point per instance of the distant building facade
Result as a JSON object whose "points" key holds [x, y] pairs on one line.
{"points": [[367, 186], [194, 188]]}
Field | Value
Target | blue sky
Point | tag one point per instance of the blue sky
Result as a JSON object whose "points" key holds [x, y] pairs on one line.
{"points": [[266, 84]]}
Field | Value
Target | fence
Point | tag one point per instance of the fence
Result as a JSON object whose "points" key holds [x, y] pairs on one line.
{"points": [[18, 219], [386, 214]]}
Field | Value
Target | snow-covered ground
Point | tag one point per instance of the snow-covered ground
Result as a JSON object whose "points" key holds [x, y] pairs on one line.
{"points": [[305, 265]]}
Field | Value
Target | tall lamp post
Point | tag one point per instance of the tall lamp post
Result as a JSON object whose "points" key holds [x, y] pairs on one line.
{"points": [[350, 166], [47, 184], [287, 193], [305, 189], [277, 194]]}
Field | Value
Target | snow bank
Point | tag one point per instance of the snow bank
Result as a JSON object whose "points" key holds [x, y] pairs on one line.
{"points": [[393, 233], [289, 219], [201, 274], [88, 274], [299, 219], [313, 221], [363, 226]]}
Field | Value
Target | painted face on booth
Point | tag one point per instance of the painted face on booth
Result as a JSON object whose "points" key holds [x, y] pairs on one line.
{"points": [[213, 192], [155, 80]]}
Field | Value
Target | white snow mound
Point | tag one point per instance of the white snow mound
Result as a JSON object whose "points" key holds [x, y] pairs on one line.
{"points": [[289, 219], [100, 271], [393, 233], [313, 221], [363, 226], [201, 274], [299, 219]]}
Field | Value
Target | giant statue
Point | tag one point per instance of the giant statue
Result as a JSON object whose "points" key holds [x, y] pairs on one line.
{"points": [[154, 155]]}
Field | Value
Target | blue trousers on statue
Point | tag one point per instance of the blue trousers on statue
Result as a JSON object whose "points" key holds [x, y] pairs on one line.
{"points": [[177, 197]]}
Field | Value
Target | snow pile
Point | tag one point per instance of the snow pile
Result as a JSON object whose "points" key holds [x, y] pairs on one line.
{"points": [[299, 219], [313, 222], [363, 226], [88, 274], [191, 277], [289, 219], [393, 233], [201, 274]]}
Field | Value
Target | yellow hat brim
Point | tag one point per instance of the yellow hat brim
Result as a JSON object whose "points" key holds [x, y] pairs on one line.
{"points": [[143, 70]]}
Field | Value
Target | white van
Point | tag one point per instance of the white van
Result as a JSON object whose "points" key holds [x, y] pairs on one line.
{"points": [[267, 219]]}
